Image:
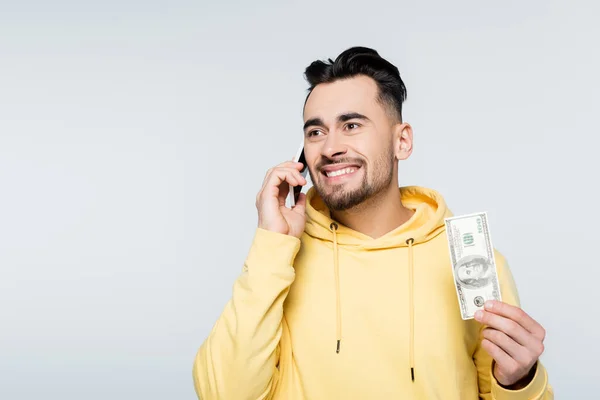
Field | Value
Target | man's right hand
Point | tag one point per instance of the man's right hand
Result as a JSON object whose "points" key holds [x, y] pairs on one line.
{"points": [[273, 215]]}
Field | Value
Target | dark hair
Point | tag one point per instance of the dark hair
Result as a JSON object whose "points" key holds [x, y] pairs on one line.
{"points": [[361, 61]]}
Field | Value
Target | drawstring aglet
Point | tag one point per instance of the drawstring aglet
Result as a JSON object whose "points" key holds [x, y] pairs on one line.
{"points": [[412, 374], [338, 346]]}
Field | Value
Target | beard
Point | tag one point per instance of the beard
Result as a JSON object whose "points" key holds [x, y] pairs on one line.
{"points": [[337, 198]]}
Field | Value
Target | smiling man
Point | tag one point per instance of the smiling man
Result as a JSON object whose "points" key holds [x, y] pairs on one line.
{"points": [[350, 293]]}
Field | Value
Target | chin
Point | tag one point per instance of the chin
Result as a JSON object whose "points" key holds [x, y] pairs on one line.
{"points": [[343, 199]]}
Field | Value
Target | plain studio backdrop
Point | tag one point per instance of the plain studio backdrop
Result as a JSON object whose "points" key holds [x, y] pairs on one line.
{"points": [[134, 137]]}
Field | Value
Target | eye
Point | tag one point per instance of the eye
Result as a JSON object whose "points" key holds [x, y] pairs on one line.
{"points": [[313, 133], [352, 126]]}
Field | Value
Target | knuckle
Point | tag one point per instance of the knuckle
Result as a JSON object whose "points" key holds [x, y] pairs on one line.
{"points": [[486, 334], [512, 328], [260, 197], [490, 333], [487, 345], [484, 318], [514, 368], [499, 337], [540, 349], [542, 333]]}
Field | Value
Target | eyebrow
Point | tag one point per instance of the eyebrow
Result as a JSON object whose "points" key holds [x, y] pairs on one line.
{"points": [[313, 122], [341, 118]]}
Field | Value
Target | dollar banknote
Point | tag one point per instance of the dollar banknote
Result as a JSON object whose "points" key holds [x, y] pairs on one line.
{"points": [[473, 262]]}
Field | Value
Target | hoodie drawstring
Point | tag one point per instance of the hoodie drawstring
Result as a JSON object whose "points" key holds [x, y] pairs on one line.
{"points": [[336, 271], [338, 305], [410, 242]]}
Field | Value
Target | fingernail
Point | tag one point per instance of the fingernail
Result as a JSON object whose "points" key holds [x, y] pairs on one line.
{"points": [[489, 305], [478, 315]]}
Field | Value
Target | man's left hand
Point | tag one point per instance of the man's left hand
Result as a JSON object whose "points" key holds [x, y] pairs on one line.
{"points": [[512, 338]]}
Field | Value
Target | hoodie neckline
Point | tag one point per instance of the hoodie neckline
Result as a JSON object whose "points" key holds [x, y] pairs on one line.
{"points": [[426, 222]]}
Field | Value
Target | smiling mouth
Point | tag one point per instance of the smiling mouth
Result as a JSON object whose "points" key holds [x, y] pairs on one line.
{"points": [[340, 172]]}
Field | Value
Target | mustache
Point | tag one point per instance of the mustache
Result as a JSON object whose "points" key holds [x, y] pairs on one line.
{"points": [[326, 161]]}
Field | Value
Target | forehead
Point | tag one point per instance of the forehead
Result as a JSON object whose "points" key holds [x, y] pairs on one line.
{"points": [[357, 94]]}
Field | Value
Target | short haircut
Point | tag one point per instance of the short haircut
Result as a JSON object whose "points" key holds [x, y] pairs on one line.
{"points": [[361, 61]]}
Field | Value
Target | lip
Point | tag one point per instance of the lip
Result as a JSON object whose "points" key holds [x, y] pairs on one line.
{"points": [[337, 167]]}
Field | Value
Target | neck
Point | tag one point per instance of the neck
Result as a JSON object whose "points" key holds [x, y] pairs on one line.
{"points": [[376, 216]]}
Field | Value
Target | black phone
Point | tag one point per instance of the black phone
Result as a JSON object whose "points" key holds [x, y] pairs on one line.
{"points": [[296, 190]]}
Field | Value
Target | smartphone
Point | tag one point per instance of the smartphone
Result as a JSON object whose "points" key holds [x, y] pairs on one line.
{"points": [[296, 190]]}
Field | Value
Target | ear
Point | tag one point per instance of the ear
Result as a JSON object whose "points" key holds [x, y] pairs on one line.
{"points": [[403, 141]]}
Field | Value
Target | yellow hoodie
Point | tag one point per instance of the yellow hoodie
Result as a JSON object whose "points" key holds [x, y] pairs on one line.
{"points": [[339, 315]]}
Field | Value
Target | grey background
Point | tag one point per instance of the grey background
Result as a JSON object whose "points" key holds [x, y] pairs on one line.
{"points": [[135, 135]]}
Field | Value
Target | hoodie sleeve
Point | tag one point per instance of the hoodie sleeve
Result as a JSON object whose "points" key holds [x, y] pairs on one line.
{"points": [[238, 359], [489, 388]]}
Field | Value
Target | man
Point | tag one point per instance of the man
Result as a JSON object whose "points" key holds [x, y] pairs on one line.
{"points": [[350, 293]]}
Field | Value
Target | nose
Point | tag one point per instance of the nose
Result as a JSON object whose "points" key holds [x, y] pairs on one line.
{"points": [[334, 147]]}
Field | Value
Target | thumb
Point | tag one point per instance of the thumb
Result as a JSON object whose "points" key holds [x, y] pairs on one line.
{"points": [[300, 206]]}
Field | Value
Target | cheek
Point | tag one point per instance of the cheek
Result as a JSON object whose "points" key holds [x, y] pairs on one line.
{"points": [[314, 175], [311, 157], [381, 161]]}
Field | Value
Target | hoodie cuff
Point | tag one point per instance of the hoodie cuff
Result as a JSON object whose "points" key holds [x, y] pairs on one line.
{"points": [[272, 250], [533, 391]]}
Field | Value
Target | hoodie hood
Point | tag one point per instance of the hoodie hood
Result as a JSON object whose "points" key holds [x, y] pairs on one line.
{"points": [[426, 223]]}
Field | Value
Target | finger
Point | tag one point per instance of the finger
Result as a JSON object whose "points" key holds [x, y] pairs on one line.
{"points": [[284, 190], [291, 164], [281, 186], [279, 175], [518, 315], [287, 164], [508, 345], [297, 176], [287, 185], [277, 185], [504, 361], [300, 206], [294, 171], [507, 326]]}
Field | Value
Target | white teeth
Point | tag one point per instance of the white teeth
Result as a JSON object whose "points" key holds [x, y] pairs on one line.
{"points": [[340, 172]]}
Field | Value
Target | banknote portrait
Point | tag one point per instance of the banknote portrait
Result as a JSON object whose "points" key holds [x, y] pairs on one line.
{"points": [[474, 271]]}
